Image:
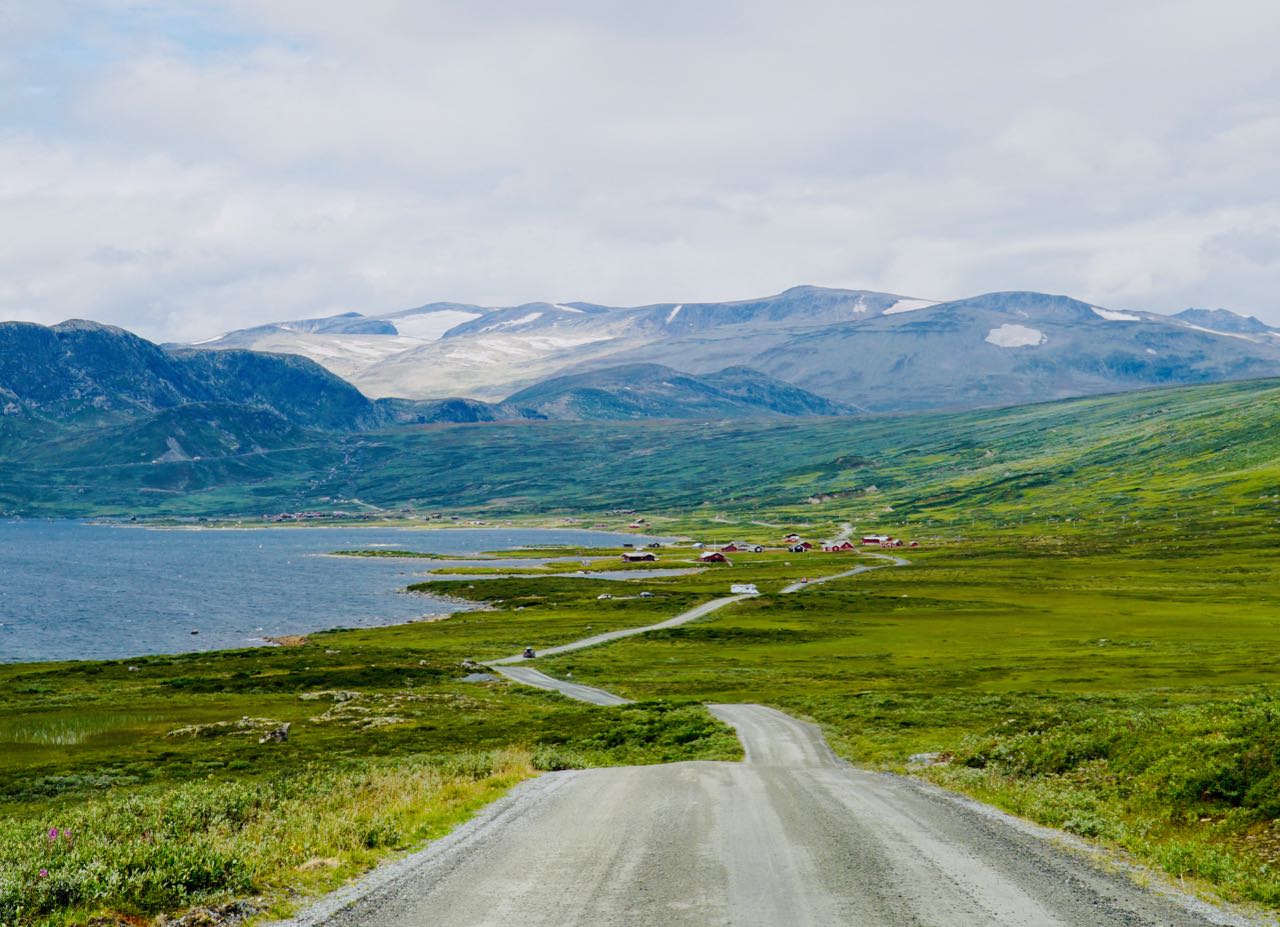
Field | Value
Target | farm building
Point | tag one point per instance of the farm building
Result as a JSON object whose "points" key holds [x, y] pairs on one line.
{"points": [[712, 556], [639, 556], [742, 547], [875, 540], [842, 547], [799, 548]]}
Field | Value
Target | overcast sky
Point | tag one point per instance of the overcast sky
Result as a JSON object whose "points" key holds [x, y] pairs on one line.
{"points": [[184, 168]]}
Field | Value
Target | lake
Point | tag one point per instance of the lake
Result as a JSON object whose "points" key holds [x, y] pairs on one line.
{"points": [[70, 590]]}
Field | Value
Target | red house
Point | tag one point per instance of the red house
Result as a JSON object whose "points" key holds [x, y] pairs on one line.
{"points": [[712, 556]]}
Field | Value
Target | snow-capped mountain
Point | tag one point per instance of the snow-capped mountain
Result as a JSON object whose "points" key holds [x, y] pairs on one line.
{"points": [[876, 351]]}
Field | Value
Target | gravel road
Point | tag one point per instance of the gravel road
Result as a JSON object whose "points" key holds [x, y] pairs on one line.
{"points": [[531, 677], [789, 838], [861, 568], [692, 614]]}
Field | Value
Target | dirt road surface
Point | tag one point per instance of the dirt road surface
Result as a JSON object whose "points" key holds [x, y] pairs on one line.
{"points": [[789, 838], [693, 614], [531, 677], [861, 568]]}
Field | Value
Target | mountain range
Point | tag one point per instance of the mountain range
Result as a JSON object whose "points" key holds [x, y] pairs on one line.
{"points": [[855, 348], [85, 387], [93, 412]]}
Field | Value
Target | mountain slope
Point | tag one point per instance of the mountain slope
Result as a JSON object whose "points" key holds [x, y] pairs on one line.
{"points": [[79, 373], [486, 353], [1226, 322], [1165, 453], [1006, 348], [874, 350], [654, 391]]}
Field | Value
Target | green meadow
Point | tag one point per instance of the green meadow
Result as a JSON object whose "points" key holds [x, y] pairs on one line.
{"points": [[1087, 636]]}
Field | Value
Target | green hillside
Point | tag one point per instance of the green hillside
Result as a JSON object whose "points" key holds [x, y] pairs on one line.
{"points": [[1162, 453]]}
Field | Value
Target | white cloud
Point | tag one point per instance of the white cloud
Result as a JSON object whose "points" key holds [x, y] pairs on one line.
{"points": [[191, 168]]}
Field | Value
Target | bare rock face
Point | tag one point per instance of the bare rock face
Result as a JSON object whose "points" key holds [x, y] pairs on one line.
{"points": [[244, 726], [278, 736]]}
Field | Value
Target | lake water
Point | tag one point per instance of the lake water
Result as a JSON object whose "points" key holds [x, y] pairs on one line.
{"points": [[76, 591]]}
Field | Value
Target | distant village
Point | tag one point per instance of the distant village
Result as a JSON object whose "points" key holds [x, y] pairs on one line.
{"points": [[793, 543]]}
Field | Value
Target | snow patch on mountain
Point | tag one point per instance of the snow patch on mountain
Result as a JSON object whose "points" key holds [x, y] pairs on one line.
{"points": [[671, 316], [1015, 336], [511, 323], [1112, 315], [909, 305], [563, 308], [431, 326], [1211, 331]]}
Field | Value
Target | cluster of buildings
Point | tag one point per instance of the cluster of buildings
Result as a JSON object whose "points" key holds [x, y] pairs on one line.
{"points": [[327, 516], [793, 543]]}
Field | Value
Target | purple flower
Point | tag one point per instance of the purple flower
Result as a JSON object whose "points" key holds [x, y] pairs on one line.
{"points": [[53, 834], [44, 873]]}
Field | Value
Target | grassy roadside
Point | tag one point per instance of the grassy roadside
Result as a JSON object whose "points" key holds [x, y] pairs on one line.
{"points": [[134, 788], [165, 848]]}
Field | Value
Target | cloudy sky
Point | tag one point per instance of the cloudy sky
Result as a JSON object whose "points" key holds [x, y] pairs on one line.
{"points": [[184, 168]]}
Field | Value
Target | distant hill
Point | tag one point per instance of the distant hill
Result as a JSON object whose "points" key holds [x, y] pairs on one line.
{"points": [[80, 373], [456, 411], [1226, 322], [1168, 455], [80, 382], [1005, 348], [653, 391], [861, 348]]}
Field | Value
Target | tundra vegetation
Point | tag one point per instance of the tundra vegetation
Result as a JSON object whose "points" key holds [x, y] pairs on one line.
{"points": [[1085, 637]]}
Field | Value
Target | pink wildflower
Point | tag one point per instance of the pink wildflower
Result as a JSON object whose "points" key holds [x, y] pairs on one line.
{"points": [[44, 873]]}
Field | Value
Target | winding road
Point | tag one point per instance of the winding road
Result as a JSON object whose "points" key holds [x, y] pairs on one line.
{"points": [[790, 837], [860, 568]]}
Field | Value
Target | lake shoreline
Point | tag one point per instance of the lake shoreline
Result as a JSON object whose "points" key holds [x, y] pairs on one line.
{"points": [[126, 595]]}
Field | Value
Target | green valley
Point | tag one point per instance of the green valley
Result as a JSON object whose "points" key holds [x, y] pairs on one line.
{"points": [[1085, 637]]}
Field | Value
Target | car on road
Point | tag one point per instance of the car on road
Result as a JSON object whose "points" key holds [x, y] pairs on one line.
{"points": [[528, 653], [604, 595]]}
